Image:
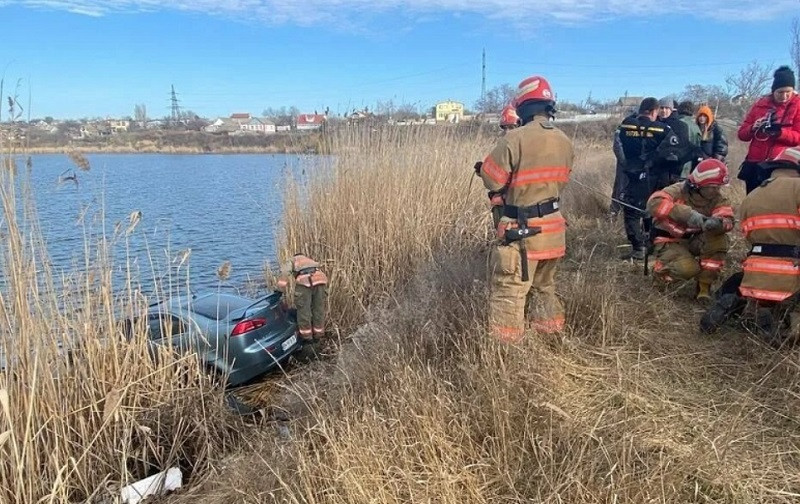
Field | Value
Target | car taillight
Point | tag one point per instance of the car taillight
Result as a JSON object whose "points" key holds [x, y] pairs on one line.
{"points": [[248, 325]]}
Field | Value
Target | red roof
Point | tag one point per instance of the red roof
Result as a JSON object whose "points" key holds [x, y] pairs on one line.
{"points": [[240, 116], [310, 119]]}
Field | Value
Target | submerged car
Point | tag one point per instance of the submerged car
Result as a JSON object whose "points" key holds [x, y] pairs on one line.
{"points": [[236, 338]]}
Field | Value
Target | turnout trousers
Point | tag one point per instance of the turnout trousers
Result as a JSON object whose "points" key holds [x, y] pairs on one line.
{"points": [[515, 304], [310, 303]]}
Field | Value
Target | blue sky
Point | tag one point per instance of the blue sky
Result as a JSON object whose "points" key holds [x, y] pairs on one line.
{"points": [[91, 58]]}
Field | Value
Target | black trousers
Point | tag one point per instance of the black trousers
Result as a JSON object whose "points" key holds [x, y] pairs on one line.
{"points": [[752, 175], [637, 190], [620, 181]]}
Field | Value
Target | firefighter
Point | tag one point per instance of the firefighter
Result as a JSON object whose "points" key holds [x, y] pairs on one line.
{"points": [[509, 118], [690, 222], [643, 146], [508, 121], [310, 295], [767, 289], [771, 224], [531, 165]]}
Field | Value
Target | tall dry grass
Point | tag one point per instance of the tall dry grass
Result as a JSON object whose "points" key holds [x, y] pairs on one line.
{"points": [[83, 411], [630, 405], [389, 201]]}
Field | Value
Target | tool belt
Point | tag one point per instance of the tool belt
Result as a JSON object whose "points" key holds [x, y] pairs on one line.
{"points": [[775, 250], [535, 211], [522, 231], [306, 271]]}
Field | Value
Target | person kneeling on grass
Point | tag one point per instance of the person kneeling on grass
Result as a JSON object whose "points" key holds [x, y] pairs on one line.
{"points": [[767, 292], [690, 222]]}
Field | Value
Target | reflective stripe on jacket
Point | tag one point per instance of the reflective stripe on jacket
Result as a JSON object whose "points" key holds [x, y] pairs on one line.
{"points": [[770, 215], [532, 164], [672, 206]]}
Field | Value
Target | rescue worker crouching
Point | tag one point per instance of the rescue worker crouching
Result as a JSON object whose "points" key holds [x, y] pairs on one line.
{"points": [[690, 222], [771, 225], [531, 165], [310, 296]]}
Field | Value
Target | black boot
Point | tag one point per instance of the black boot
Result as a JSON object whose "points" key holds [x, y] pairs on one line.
{"points": [[725, 306], [636, 254]]}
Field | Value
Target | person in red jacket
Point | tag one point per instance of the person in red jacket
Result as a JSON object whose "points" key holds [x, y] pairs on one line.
{"points": [[771, 125]]}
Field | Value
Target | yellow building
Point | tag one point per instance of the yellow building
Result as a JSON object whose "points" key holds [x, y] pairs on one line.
{"points": [[449, 111]]}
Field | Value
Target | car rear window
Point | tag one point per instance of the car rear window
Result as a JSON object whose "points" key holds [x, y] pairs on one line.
{"points": [[217, 307]]}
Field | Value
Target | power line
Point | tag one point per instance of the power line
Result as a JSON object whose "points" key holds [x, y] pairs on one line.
{"points": [[623, 65]]}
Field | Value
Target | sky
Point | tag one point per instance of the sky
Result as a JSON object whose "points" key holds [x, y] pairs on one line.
{"points": [[92, 58]]}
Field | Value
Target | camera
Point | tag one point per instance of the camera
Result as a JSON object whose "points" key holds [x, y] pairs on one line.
{"points": [[770, 124]]}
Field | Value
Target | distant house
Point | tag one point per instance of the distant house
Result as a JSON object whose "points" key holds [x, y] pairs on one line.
{"points": [[222, 125], [240, 117], [257, 125], [154, 124], [627, 103], [308, 122], [118, 126], [491, 118], [95, 130], [46, 127], [449, 111], [283, 127], [359, 115]]}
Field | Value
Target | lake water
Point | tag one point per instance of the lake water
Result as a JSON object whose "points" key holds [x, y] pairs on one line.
{"points": [[222, 207]]}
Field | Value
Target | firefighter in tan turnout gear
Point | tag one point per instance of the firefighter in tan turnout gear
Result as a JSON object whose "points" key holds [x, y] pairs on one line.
{"points": [[690, 222], [508, 121], [771, 223], [766, 293], [310, 296], [530, 165]]}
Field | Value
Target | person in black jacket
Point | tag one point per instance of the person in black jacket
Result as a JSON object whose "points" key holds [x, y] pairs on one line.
{"points": [[643, 146], [713, 140], [620, 180], [681, 150]]}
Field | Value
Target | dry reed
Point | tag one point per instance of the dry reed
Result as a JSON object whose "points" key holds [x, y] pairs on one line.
{"points": [[630, 405], [85, 410]]}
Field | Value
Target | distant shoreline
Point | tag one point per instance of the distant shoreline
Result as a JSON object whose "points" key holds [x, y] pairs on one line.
{"points": [[165, 150], [174, 142]]}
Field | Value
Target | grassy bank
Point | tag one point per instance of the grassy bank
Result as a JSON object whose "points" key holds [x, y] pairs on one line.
{"points": [[631, 404]]}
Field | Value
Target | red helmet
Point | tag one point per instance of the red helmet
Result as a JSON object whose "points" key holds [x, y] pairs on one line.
{"points": [[509, 117], [787, 158], [790, 155], [533, 88], [709, 172]]}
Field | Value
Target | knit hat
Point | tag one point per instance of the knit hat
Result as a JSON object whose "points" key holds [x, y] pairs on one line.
{"points": [[705, 110], [784, 77], [666, 102], [686, 108], [647, 105]]}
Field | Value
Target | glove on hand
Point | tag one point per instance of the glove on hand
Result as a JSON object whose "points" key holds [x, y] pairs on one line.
{"points": [[713, 224], [696, 220], [477, 167]]}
